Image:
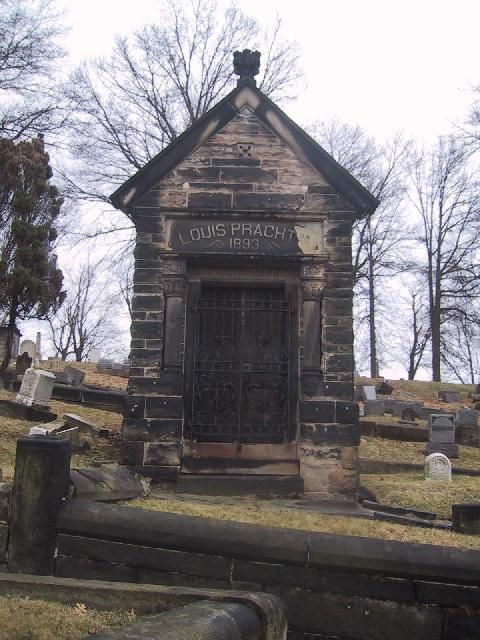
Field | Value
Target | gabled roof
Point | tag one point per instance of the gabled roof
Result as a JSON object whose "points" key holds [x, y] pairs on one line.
{"points": [[216, 118]]}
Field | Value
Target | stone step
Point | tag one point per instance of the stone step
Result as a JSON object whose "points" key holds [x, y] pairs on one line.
{"points": [[234, 485]]}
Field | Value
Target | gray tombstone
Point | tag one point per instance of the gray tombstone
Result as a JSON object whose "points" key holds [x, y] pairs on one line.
{"points": [[76, 376], [71, 376], [453, 396], [385, 388], [400, 406], [441, 428], [22, 363], [374, 408], [28, 346], [409, 414], [441, 435], [450, 396], [104, 364], [438, 468], [466, 418], [36, 389]]}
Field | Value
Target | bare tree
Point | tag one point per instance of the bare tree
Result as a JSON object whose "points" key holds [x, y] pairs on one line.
{"points": [[415, 343], [29, 57], [123, 276], [86, 319], [379, 240], [446, 197], [461, 348], [131, 104]]}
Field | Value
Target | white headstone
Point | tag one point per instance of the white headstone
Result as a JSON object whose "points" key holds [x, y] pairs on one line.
{"points": [[29, 347], [369, 393], [438, 467], [36, 389]]}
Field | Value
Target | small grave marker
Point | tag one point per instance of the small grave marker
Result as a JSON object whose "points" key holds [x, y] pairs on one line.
{"points": [[408, 414], [104, 364], [54, 363], [450, 396], [466, 418], [438, 468], [466, 518], [374, 408], [75, 376]]}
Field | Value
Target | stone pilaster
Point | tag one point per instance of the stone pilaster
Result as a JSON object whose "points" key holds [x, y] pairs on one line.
{"points": [[153, 416]]}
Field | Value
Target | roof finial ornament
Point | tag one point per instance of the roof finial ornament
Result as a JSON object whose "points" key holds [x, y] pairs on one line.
{"points": [[246, 64]]}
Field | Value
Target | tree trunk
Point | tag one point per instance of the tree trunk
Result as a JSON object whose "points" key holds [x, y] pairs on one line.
{"points": [[373, 338], [411, 365], [436, 343], [8, 343]]}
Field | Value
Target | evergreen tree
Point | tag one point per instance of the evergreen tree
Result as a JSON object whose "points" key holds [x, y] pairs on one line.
{"points": [[30, 282]]}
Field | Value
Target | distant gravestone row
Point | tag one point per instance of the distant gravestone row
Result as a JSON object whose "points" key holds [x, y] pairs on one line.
{"points": [[112, 367], [104, 364]]}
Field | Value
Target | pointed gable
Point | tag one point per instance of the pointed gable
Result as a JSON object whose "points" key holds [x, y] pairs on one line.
{"points": [[245, 154]]}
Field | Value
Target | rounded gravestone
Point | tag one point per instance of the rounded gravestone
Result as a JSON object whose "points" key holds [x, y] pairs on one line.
{"points": [[438, 468], [466, 518]]}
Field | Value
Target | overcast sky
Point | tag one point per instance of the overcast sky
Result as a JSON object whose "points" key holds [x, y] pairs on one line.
{"points": [[385, 65], [388, 66]]}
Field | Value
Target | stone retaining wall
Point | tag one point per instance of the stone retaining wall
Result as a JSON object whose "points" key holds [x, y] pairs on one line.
{"points": [[349, 587]]}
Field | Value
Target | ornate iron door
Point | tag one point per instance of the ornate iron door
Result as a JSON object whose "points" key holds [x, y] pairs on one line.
{"points": [[241, 379]]}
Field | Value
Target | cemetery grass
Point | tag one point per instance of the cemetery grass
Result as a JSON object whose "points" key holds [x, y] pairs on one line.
{"points": [[275, 513], [31, 619], [397, 451], [412, 490]]}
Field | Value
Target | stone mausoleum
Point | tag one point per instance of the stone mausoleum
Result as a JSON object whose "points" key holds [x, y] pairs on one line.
{"points": [[241, 372]]}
